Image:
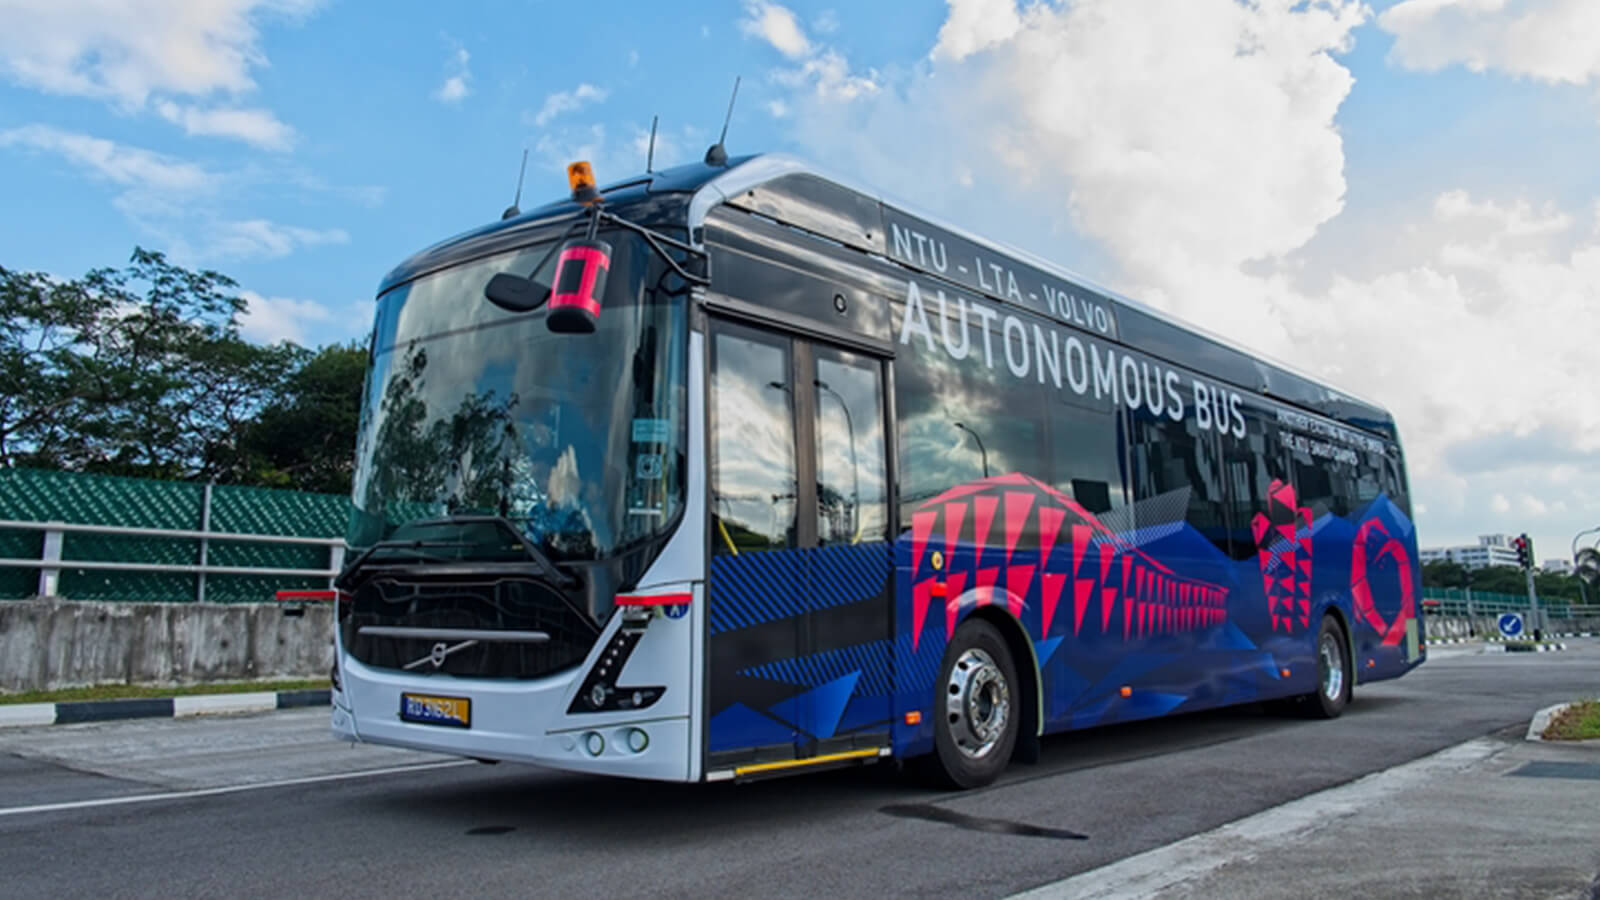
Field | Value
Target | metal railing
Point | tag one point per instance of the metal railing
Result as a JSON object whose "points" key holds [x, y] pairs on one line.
{"points": [[1454, 602], [50, 562]]}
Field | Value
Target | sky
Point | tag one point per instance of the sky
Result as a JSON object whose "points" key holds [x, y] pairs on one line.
{"points": [[1400, 196]]}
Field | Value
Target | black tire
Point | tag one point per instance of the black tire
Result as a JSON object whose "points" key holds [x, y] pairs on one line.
{"points": [[1335, 675], [975, 707]]}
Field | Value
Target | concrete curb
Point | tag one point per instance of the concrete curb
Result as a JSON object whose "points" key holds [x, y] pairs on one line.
{"points": [[1541, 721], [1536, 648], [20, 714]]}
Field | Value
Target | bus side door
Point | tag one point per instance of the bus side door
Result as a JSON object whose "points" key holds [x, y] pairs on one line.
{"points": [[799, 613]]}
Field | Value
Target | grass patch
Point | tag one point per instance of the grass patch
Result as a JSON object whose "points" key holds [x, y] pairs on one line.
{"points": [[130, 691], [1578, 722]]}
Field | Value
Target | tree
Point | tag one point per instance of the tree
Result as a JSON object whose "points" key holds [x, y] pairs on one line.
{"points": [[133, 371], [306, 438], [1444, 573]]}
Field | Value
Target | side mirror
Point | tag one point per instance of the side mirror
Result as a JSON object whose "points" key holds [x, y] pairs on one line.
{"points": [[515, 293]]}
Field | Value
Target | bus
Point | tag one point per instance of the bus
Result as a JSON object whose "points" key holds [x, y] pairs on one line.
{"points": [[737, 469]]}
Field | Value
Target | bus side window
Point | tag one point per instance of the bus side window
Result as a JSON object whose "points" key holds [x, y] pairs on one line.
{"points": [[1251, 464], [1086, 456], [1172, 457]]}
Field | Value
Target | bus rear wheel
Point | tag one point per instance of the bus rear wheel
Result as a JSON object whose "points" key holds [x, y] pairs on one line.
{"points": [[977, 711], [1334, 676]]}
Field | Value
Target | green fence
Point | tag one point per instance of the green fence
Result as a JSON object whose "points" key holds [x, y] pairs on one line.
{"points": [[1455, 602], [28, 495]]}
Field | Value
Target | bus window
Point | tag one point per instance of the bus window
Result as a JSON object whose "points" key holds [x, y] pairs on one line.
{"points": [[1086, 457], [1250, 465], [852, 500], [1173, 457], [752, 426]]}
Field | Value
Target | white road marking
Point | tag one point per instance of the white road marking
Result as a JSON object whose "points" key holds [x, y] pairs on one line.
{"points": [[1165, 868], [230, 789]]}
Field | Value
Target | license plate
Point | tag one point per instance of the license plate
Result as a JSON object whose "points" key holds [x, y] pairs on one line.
{"points": [[430, 709]]}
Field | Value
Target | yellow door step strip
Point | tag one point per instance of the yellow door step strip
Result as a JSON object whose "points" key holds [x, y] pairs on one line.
{"points": [[757, 768]]}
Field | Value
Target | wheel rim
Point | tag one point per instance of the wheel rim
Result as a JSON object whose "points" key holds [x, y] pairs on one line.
{"points": [[978, 703], [1332, 668]]}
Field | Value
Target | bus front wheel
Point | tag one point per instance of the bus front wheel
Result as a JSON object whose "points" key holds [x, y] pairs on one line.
{"points": [[978, 715]]}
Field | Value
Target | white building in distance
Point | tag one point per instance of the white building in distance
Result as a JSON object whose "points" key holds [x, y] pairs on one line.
{"points": [[1558, 566], [1490, 550]]}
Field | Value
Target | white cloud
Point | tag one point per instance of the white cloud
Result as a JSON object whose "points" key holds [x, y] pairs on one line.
{"points": [[118, 163], [777, 26], [458, 84], [267, 320], [562, 102], [260, 239], [170, 199], [127, 53], [976, 25], [1193, 150], [826, 22], [1548, 40], [253, 126]]}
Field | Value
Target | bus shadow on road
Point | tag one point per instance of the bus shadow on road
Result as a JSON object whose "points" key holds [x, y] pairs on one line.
{"points": [[564, 806]]}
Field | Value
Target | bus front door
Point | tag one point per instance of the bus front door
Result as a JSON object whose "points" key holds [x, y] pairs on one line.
{"points": [[799, 596]]}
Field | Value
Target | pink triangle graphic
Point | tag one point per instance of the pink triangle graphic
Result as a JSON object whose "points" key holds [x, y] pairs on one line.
{"points": [[954, 513], [1018, 505], [954, 587], [1082, 589], [1018, 580], [921, 527], [921, 595], [985, 507], [1050, 518]]}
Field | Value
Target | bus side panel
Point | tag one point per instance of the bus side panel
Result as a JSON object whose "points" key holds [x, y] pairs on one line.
{"points": [[1201, 588]]}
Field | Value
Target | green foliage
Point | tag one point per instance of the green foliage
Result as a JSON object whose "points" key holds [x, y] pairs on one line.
{"points": [[1500, 580], [305, 438], [142, 371]]}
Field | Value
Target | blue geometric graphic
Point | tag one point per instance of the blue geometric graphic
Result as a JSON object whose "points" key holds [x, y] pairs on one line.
{"points": [[868, 661], [823, 706], [741, 726], [753, 588]]}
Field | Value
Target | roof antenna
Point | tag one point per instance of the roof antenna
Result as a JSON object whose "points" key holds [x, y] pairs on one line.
{"points": [[512, 211], [650, 155], [716, 154]]}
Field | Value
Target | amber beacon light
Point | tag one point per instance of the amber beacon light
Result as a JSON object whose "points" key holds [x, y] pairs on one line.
{"points": [[581, 178], [582, 267]]}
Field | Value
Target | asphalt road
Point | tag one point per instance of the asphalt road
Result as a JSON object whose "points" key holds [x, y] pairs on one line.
{"points": [[448, 829]]}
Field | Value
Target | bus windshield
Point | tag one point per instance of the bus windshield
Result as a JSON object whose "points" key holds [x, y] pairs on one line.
{"points": [[469, 410]]}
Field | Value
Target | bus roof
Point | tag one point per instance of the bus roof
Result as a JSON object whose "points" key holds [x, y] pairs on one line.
{"points": [[1279, 379]]}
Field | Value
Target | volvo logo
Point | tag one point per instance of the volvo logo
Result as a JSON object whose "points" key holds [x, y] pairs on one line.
{"points": [[441, 651]]}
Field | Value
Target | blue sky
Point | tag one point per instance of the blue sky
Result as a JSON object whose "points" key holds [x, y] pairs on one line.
{"points": [[1400, 197]]}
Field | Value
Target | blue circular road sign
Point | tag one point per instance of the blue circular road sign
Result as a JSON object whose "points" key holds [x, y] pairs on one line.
{"points": [[1510, 624]]}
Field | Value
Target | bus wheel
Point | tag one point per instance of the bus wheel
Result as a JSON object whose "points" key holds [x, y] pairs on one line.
{"points": [[1333, 673], [977, 704]]}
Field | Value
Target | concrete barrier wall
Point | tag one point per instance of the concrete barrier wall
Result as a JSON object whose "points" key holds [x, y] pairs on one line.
{"points": [[52, 643], [1462, 626]]}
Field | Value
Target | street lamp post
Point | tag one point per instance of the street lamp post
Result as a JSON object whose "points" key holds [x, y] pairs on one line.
{"points": [[984, 453], [855, 469], [1583, 591]]}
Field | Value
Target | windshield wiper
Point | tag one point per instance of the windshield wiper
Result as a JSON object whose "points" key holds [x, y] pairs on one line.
{"points": [[417, 548]]}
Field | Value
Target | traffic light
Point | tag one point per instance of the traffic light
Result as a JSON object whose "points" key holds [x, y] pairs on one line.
{"points": [[1524, 547]]}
